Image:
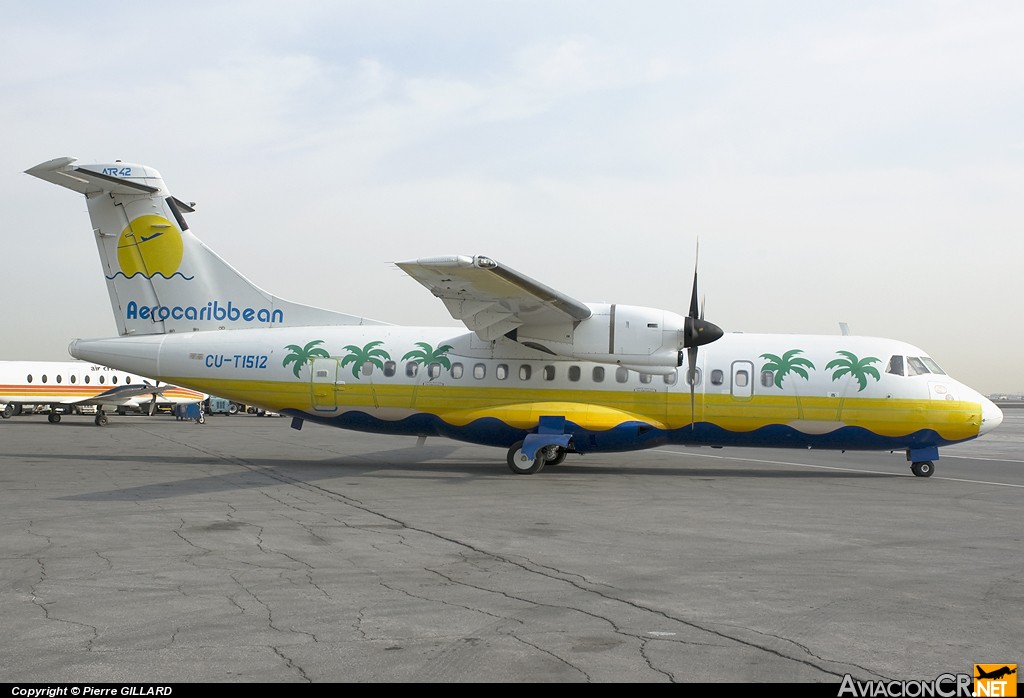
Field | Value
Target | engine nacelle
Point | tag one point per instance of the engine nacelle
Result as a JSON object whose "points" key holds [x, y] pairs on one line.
{"points": [[645, 339]]}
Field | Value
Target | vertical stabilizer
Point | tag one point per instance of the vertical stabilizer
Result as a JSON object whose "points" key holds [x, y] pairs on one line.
{"points": [[160, 277]]}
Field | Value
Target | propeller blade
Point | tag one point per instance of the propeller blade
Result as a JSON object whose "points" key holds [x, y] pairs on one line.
{"points": [[691, 377], [693, 296], [696, 332]]}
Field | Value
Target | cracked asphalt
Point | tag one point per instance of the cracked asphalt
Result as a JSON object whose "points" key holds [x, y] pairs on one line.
{"points": [[154, 550]]}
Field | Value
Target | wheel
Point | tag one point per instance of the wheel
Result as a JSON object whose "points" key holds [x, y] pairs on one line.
{"points": [[54, 418], [553, 455], [521, 464], [8, 411], [923, 468], [232, 408], [201, 419], [101, 420]]}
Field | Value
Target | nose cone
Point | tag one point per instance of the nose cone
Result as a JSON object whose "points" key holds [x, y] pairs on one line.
{"points": [[701, 332], [991, 416]]}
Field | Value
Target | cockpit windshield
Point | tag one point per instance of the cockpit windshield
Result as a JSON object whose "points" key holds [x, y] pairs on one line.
{"points": [[912, 366]]}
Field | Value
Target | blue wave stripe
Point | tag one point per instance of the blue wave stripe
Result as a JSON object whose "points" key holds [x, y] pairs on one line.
{"points": [[630, 436]]}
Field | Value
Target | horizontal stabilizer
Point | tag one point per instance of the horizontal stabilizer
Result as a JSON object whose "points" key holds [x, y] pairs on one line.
{"points": [[63, 171]]}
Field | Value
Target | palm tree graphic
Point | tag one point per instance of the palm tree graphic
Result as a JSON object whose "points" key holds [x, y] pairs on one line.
{"points": [[302, 355], [858, 368], [787, 363], [428, 355], [367, 355]]}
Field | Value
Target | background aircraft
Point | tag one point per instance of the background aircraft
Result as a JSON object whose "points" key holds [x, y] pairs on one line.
{"points": [[63, 386], [539, 373]]}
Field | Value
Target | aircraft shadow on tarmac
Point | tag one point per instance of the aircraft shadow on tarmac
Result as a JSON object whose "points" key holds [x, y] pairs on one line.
{"points": [[413, 461]]}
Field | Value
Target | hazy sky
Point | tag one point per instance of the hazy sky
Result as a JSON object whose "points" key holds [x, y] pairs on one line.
{"points": [[858, 162]]}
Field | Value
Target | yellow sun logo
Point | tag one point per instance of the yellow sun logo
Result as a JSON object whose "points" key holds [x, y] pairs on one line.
{"points": [[150, 245]]}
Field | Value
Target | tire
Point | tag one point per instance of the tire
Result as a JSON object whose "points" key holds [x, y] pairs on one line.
{"points": [[232, 408], [54, 418], [101, 420], [520, 464], [558, 457], [8, 411], [201, 419], [923, 468]]}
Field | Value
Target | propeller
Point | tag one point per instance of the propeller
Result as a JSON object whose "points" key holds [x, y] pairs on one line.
{"points": [[696, 332]]}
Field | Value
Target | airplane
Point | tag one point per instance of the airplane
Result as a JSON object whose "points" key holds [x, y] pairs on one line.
{"points": [[996, 674], [65, 386], [536, 371]]}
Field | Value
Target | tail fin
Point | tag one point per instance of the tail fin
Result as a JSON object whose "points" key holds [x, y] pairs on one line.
{"points": [[160, 277]]}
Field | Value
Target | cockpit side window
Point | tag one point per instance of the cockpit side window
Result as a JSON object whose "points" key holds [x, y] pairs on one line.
{"points": [[895, 365], [932, 366], [916, 367]]}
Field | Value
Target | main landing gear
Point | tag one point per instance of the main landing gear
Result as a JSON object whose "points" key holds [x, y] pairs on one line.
{"points": [[521, 464], [922, 460], [923, 468]]}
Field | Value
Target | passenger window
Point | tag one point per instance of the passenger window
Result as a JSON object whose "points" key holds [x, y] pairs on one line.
{"points": [[895, 366], [389, 368], [44, 377], [717, 377], [103, 379], [127, 379], [598, 374], [742, 378], [501, 372], [698, 376], [367, 369], [87, 379], [549, 373], [30, 378], [58, 378], [767, 378], [671, 378], [456, 370], [411, 369], [574, 373], [621, 374], [73, 379], [433, 370], [479, 371], [524, 372], [645, 377]]}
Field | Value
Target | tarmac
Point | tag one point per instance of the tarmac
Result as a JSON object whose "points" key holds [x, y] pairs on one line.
{"points": [[154, 550]]}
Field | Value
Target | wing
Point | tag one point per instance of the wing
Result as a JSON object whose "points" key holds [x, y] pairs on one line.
{"points": [[122, 394], [492, 299]]}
